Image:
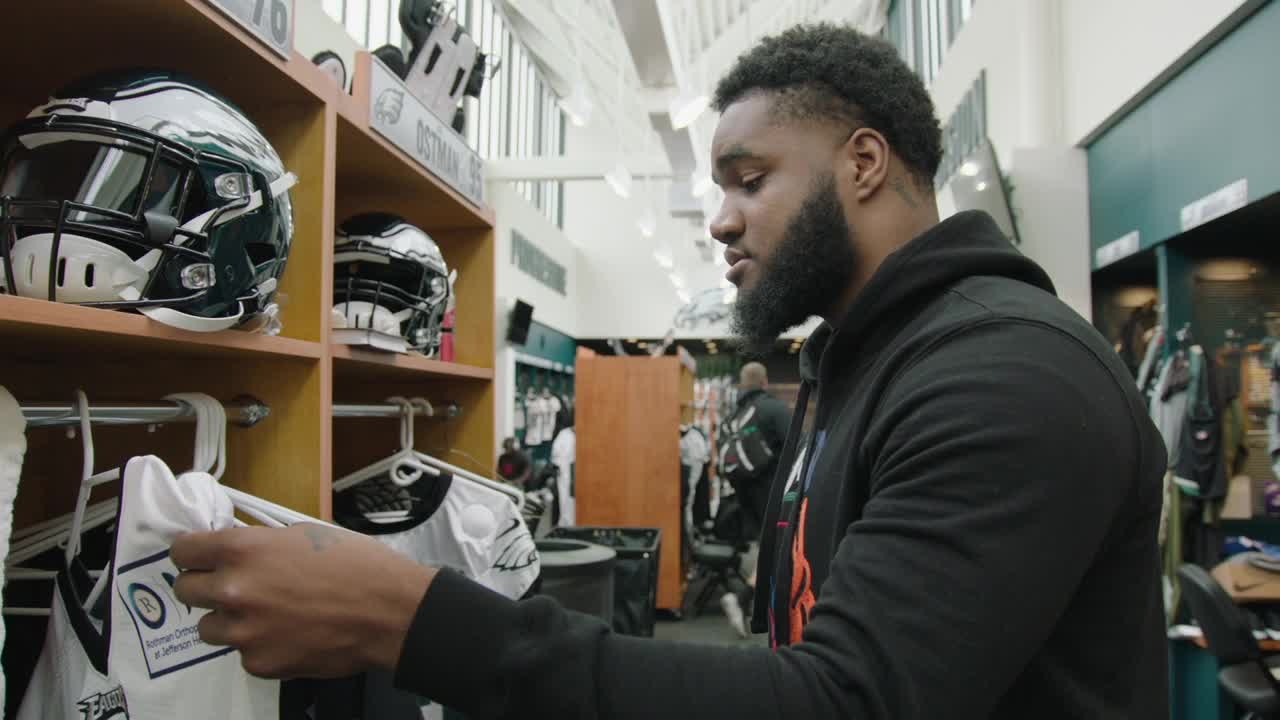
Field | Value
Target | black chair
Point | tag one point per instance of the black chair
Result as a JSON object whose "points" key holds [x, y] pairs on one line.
{"points": [[716, 556], [718, 563], [1245, 674]]}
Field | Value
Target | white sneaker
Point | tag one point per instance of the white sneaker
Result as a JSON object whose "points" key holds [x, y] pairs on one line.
{"points": [[733, 611]]}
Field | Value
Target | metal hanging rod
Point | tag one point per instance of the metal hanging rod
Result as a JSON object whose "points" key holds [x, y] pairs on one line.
{"points": [[245, 411], [389, 410]]}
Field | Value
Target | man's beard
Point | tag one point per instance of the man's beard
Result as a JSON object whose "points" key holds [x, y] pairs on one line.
{"points": [[803, 276]]}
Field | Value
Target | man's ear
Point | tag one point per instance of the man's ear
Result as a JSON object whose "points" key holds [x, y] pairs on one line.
{"points": [[866, 154]]}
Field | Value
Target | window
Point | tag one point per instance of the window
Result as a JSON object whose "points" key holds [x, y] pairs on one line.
{"points": [[516, 114], [923, 30]]}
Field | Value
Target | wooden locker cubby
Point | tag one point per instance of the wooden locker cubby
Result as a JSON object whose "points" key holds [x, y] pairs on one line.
{"points": [[47, 350]]}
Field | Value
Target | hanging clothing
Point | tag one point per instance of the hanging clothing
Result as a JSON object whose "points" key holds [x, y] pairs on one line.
{"points": [[13, 446], [1273, 418], [1154, 347], [564, 456], [695, 453], [453, 524], [533, 425], [1200, 457], [1142, 319], [146, 661], [1168, 404]]}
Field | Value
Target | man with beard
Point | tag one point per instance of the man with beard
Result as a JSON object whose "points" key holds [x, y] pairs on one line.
{"points": [[968, 532]]}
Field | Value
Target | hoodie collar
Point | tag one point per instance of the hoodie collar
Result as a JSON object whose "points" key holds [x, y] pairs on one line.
{"points": [[966, 244]]}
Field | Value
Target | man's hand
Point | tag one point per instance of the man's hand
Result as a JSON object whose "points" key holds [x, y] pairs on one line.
{"points": [[305, 601]]}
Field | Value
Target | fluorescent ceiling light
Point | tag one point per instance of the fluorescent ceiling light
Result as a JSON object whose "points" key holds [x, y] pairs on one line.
{"points": [[664, 259], [970, 169], [684, 296], [677, 281], [648, 223], [702, 184], [619, 178], [981, 186], [685, 109]]}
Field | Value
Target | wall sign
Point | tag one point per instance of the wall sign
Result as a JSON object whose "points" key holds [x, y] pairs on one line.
{"points": [[402, 119], [1117, 249], [1216, 204], [964, 131], [532, 261], [270, 20]]}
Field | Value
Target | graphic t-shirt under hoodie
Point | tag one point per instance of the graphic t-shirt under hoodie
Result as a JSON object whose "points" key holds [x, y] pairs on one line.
{"points": [[971, 533]]}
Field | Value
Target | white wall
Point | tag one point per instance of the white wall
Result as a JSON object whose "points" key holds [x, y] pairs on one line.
{"points": [[623, 292], [1051, 204], [549, 307], [1018, 45], [1112, 49], [1056, 71]]}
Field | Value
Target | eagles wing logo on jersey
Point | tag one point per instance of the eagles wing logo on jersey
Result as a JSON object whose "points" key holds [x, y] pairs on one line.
{"points": [[518, 550], [104, 705]]}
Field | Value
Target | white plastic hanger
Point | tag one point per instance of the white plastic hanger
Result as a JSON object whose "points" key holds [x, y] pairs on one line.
{"points": [[211, 421], [436, 466], [88, 481], [405, 466], [516, 495]]}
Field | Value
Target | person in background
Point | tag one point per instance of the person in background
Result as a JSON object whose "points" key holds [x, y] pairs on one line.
{"points": [[969, 531], [513, 463], [772, 416], [563, 456]]}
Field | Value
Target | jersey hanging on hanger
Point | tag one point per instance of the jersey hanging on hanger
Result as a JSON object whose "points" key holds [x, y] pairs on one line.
{"points": [[451, 523], [146, 660], [13, 445]]}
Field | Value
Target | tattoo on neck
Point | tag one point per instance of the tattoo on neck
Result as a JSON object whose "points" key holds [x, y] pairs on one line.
{"points": [[900, 186], [321, 538]]}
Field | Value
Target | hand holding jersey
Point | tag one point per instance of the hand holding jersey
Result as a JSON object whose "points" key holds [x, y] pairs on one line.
{"points": [[304, 601]]}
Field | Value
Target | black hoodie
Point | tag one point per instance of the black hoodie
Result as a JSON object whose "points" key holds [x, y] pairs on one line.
{"points": [[977, 512]]}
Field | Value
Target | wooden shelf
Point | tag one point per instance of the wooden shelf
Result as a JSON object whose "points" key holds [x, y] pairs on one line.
{"points": [[374, 175], [40, 326], [350, 362], [323, 135], [185, 35]]}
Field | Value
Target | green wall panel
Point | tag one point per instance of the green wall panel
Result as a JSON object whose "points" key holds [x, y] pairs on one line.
{"points": [[549, 344], [1214, 123]]}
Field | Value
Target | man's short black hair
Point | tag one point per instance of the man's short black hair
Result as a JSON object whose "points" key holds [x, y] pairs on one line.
{"points": [[833, 71]]}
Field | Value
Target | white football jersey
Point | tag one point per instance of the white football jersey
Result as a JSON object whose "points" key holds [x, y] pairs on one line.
{"points": [[475, 531], [564, 454], [13, 446], [551, 409], [533, 428], [147, 662]]}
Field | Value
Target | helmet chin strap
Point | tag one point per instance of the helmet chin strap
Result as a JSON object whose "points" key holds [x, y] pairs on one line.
{"points": [[201, 223]]}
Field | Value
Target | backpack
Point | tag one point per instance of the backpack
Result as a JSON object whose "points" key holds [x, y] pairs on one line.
{"points": [[745, 454]]}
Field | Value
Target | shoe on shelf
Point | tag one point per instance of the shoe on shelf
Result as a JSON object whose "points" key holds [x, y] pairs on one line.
{"points": [[733, 611]]}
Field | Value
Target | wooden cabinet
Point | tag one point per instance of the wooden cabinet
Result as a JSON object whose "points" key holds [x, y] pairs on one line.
{"points": [[628, 413], [47, 350]]}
